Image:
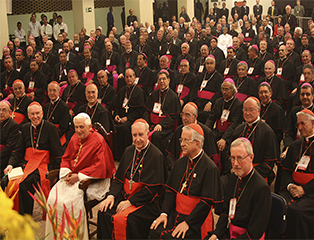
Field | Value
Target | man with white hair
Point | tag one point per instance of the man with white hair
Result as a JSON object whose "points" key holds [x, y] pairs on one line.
{"points": [[247, 203], [133, 200], [192, 190], [87, 157], [297, 180], [200, 62], [185, 48], [289, 18], [9, 135], [38, 140], [263, 139]]}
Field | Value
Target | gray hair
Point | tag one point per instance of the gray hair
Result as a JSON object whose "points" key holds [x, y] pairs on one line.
{"points": [[247, 145], [232, 86], [210, 58], [145, 124], [195, 135], [308, 116]]}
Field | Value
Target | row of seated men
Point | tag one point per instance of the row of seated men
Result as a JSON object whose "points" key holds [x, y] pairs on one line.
{"points": [[193, 188]]}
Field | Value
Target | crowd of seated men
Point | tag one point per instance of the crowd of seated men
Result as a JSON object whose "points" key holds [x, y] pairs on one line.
{"points": [[198, 113]]}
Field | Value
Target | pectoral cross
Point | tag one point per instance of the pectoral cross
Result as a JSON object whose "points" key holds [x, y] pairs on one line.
{"points": [[126, 108], [184, 185], [131, 182]]}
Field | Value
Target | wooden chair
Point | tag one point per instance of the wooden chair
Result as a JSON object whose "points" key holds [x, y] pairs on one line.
{"points": [[53, 177]]}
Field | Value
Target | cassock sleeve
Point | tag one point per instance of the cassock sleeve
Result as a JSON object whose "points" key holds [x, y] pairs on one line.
{"points": [[17, 156], [42, 86], [55, 147], [11, 142]]}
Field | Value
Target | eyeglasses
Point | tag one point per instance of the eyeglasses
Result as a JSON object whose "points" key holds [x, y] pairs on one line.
{"points": [[249, 110], [184, 65], [239, 159], [187, 141], [188, 115], [225, 89], [301, 124]]}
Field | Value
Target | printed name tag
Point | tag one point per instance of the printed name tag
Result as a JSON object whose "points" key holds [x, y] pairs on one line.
{"points": [[232, 207], [157, 107], [31, 84], [108, 62], [136, 80], [77, 49], [304, 162], [204, 83], [226, 71], [251, 69], [65, 72], [302, 79], [87, 69], [225, 115], [247, 34], [201, 68], [279, 71], [180, 88]]}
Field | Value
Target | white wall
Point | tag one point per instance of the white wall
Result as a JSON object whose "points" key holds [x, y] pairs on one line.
{"points": [[67, 16]]}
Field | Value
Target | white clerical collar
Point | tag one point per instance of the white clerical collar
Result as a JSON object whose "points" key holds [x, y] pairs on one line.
{"points": [[55, 100], [307, 138], [229, 99], [89, 105], [199, 153], [250, 124], [21, 96], [139, 150], [164, 90], [266, 103], [308, 106]]}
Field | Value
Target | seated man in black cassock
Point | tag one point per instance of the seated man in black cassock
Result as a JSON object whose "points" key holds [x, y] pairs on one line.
{"points": [[162, 111], [192, 190], [128, 106], [56, 111], [96, 111], [133, 200], [189, 115], [261, 135], [247, 203], [255, 64], [271, 112], [7, 77], [19, 103], [228, 67], [74, 94], [297, 183], [9, 135], [38, 140], [106, 93], [144, 76]]}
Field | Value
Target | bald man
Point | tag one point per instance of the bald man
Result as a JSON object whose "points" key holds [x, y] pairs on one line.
{"points": [[106, 92], [96, 111], [9, 135]]}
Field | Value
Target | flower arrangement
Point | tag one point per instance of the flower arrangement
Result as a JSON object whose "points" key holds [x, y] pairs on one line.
{"points": [[60, 231]]}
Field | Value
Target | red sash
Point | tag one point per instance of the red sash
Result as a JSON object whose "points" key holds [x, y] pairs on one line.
{"points": [[241, 96], [1, 146], [71, 105], [156, 86], [236, 231], [18, 117], [222, 126], [115, 81], [186, 204], [184, 93], [205, 94], [104, 104], [283, 78], [247, 39], [38, 159], [120, 219], [169, 58], [302, 178], [154, 118], [62, 89], [89, 76], [62, 138], [228, 76], [275, 50], [111, 68], [254, 77], [30, 91]]}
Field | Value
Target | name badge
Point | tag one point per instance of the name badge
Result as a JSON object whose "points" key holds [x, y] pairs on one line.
{"points": [[125, 102], [18, 69], [136, 80], [225, 115], [279, 71], [6, 86], [251, 69], [247, 34], [180, 88], [87, 69], [201, 68], [65, 72], [204, 83], [168, 52], [99, 100], [226, 71], [31, 84], [77, 49], [107, 62], [157, 107], [302, 79], [159, 48], [232, 207], [304, 162], [59, 50]]}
